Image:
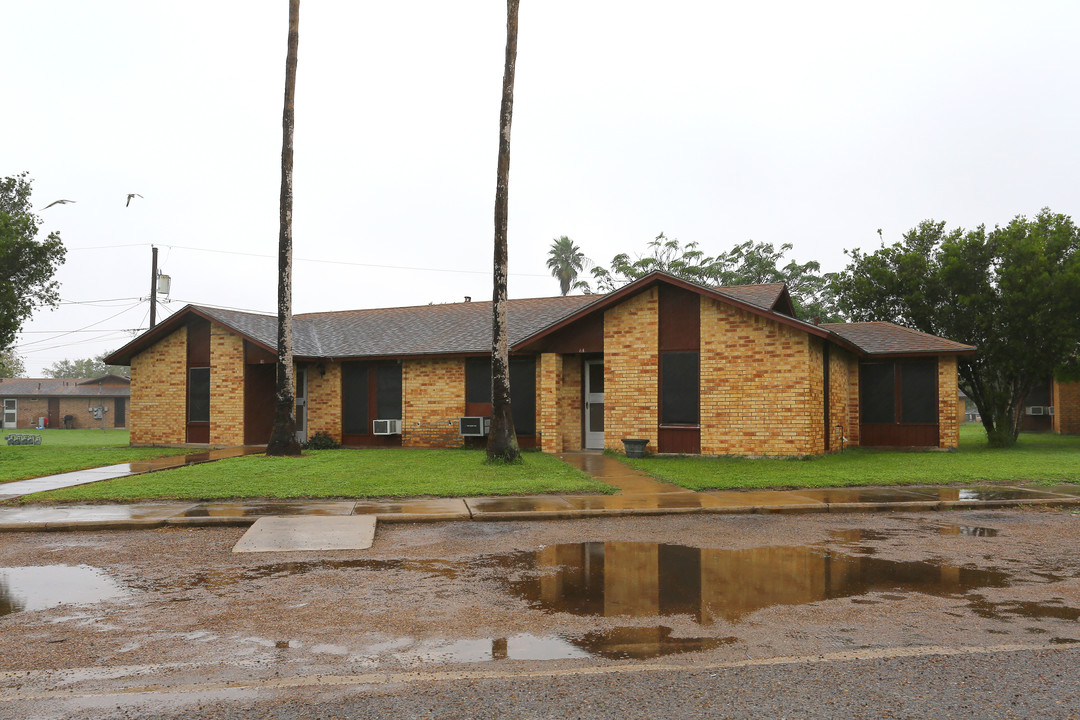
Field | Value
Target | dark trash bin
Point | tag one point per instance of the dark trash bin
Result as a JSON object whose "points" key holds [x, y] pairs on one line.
{"points": [[69, 422], [635, 447]]}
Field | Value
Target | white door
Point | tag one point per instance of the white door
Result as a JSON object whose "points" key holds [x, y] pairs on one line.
{"points": [[301, 404], [594, 404], [11, 415]]}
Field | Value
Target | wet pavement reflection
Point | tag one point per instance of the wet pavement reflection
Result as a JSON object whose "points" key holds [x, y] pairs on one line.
{"points": [[24, 589], [647, 579]]}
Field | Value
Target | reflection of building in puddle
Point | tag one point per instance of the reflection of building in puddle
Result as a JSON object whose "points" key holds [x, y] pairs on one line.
{"points": [[647, 579], [618, 644]]}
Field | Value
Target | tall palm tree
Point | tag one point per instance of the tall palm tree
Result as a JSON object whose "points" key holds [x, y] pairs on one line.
{"points": [[502, 440], [283, 436], [565, 260]]}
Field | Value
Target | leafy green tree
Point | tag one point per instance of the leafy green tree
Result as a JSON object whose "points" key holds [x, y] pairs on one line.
{"points": [[744, 264], [565, 260], [91, 367], [11, 365], [1013, 292], [27, 265]]}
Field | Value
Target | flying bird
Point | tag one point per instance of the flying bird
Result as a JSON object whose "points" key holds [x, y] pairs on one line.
{"points": [[131, 195], [57, 202]]}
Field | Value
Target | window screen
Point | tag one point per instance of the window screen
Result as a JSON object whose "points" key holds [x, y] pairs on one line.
{"points": [[388, 395], [877, 392], [918, 392], [198, 395], [354, 399], [523, 395], [679, 388], [478, 380]]}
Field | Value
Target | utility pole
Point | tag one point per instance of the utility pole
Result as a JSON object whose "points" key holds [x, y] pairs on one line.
{"points": [[153, 286]]}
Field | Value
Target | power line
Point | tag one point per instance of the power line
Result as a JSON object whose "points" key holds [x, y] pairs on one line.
{"points": [[69, 332], [317, 260]]}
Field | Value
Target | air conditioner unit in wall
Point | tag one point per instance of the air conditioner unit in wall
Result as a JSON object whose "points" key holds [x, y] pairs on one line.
{"points": [[386, 427], [1049, 409], [1034, 410], [474, 426]]}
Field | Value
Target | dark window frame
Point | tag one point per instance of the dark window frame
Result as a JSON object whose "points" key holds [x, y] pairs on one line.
{"points": [[677, 389], [910, 405], [192, 401]]}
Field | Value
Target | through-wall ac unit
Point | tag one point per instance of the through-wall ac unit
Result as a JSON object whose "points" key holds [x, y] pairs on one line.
{"points": [[474, 426], [1049, 409], [1034, 410], [386, 427]]}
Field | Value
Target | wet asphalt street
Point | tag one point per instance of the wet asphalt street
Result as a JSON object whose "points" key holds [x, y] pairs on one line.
{"points": [[914, 615]]}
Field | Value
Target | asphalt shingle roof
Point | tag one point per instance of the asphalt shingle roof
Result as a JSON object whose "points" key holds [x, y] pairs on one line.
{"points": [[66, 387], [882, 338], [453, 328], [763, 296]]}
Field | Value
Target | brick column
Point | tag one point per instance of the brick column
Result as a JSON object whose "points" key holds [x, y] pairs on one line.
{"points": [[948, 428], [549, 387], [226, 387]]}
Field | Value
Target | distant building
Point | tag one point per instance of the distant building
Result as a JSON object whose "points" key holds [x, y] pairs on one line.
{"points": [[27, 402]]}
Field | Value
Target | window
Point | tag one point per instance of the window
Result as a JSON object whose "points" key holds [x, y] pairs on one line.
{"points": [[369, 391], [199, 395], [354, 399], [679, 389], [388, 392], [522, 389], [902, 392]]}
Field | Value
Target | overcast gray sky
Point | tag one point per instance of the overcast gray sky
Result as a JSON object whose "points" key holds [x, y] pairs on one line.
{"points": [[809, 123]]}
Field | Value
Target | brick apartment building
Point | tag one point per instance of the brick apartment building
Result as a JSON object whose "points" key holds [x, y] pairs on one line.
{"points": [[26, 401], [693, 369]]}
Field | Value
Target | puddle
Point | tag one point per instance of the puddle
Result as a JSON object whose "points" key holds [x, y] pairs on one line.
{"points": [[1011, 609], [625, 643], [24, 589], [968, 530]]}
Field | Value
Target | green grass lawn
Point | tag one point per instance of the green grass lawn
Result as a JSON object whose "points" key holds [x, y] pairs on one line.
{"points": [[352, 473], [1037, 457], [66, 450]]}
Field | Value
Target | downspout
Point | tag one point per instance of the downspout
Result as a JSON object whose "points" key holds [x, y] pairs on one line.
{"points": [[825, 395]]}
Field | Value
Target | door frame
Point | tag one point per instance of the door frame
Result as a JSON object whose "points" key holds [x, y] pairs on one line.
{"points": [[593, 440], [4, 411]]}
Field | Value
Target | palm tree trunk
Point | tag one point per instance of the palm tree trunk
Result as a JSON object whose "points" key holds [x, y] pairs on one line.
{"points": [[502, 441], [283, 436]]}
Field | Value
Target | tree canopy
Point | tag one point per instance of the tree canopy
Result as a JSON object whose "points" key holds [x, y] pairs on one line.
{"points": [[1013, 292], [91, 367], [748, 263], [27, 265], [11, 364]]}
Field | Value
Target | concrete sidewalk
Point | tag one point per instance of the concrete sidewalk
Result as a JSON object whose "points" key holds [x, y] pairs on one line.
{"points": [[639, 494]]}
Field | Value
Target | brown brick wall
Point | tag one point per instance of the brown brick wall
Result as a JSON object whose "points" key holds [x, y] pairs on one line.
{"points": [[570, 403], [434, 399], [324, 400], [631, 361], [549, 371], [815, 377], [1066, 401], [159, 392], [226, 387], [843, 408], [756, 393], [853, 402], [948, 427]]}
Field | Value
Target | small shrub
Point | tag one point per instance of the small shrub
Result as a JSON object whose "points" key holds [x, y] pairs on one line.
{"points": [[321, 440]]}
